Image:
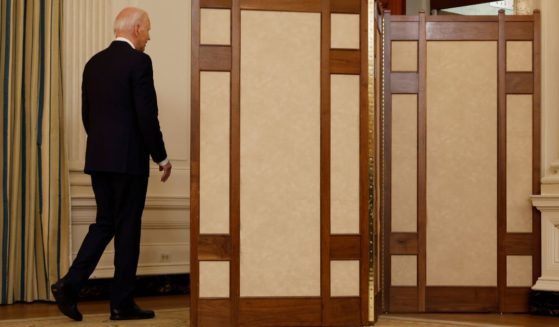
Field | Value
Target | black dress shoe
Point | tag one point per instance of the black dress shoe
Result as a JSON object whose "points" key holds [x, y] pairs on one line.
{"points": [[66, 299], [131, 312]]}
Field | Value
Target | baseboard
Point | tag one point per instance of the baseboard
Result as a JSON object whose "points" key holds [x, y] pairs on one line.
{"points": [[155, 285]]}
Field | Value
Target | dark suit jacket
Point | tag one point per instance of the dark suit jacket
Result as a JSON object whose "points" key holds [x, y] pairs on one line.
{"points": [[119, 112]]}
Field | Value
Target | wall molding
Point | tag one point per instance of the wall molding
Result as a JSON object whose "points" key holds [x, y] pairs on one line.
{"points": [[79, 178], [548, 205], [152, 202], [146, 269]]}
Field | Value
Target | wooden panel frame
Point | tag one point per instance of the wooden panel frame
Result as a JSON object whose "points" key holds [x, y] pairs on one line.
{"points": [[404, 83], [298, 311], [460, 30], [345, 6], [282, 5], [403, 243], [215, 58], [388, 293], [215, 4], [214, 247], [270, 311], [423, 28], [406, 30], [444, 4], [518, 244], [344, 61], [501, 163], [403, 299], [519, 83], [214, 312], [345, 247], [461, 299], [196, 306], [235, 201]]}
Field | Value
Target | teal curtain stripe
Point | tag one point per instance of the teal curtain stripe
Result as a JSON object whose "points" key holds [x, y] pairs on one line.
{"points": [[40, 138], [6, 218], [59, 218], [47, 261], [23, 162]]}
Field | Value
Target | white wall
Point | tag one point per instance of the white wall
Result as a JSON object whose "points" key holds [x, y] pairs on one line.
{"points": [[550, 95], [414, 6], [87, 30]]}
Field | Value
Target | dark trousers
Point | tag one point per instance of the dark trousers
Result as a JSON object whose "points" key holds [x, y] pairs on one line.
{"points": [[120, 202]]}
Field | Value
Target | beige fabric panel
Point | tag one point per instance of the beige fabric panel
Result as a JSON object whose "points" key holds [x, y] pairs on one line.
{"points": [[404, 163], [214, 279], [344, 156], [344, 278], [519, 56], [404, 56], [215, 26], [214, 152], [403, 270], [519, 163], [280, 154], [344, 31], [519, 271], [461, 163]]}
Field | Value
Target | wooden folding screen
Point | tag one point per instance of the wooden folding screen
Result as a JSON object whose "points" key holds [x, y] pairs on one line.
{"points": [[279, 188], [462, 156]]}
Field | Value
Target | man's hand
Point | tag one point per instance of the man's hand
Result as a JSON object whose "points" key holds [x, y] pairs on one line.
{"points": [[166, 169]]}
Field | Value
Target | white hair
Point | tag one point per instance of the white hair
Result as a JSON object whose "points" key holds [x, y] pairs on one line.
{"points": [[126, 23]]}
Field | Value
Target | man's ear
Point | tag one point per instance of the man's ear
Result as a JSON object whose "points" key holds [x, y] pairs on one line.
{"points": [[137, 29]]}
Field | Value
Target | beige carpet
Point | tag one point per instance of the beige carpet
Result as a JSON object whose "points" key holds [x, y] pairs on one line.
{"points": [[180, 318], [163, 318], [405, 321]]}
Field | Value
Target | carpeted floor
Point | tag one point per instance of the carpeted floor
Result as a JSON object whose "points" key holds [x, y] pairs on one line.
{"points": [[405, 321], [180, 318], [163, 318]]}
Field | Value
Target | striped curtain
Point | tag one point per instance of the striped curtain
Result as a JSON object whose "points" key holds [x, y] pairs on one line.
{"points": [[34, 188]]}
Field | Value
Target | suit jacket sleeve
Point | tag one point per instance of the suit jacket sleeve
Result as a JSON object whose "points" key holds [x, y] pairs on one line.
{"points": [[85, 106], [145, 104]]}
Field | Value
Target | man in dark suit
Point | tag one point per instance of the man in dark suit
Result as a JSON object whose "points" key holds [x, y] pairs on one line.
{"points": [[119, 112]]}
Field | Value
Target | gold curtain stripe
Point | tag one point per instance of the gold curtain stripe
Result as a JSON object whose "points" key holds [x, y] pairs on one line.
{"points": [[38, 190]]}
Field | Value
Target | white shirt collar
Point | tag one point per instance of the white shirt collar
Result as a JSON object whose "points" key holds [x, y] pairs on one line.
{"points": [[123, 39]]}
